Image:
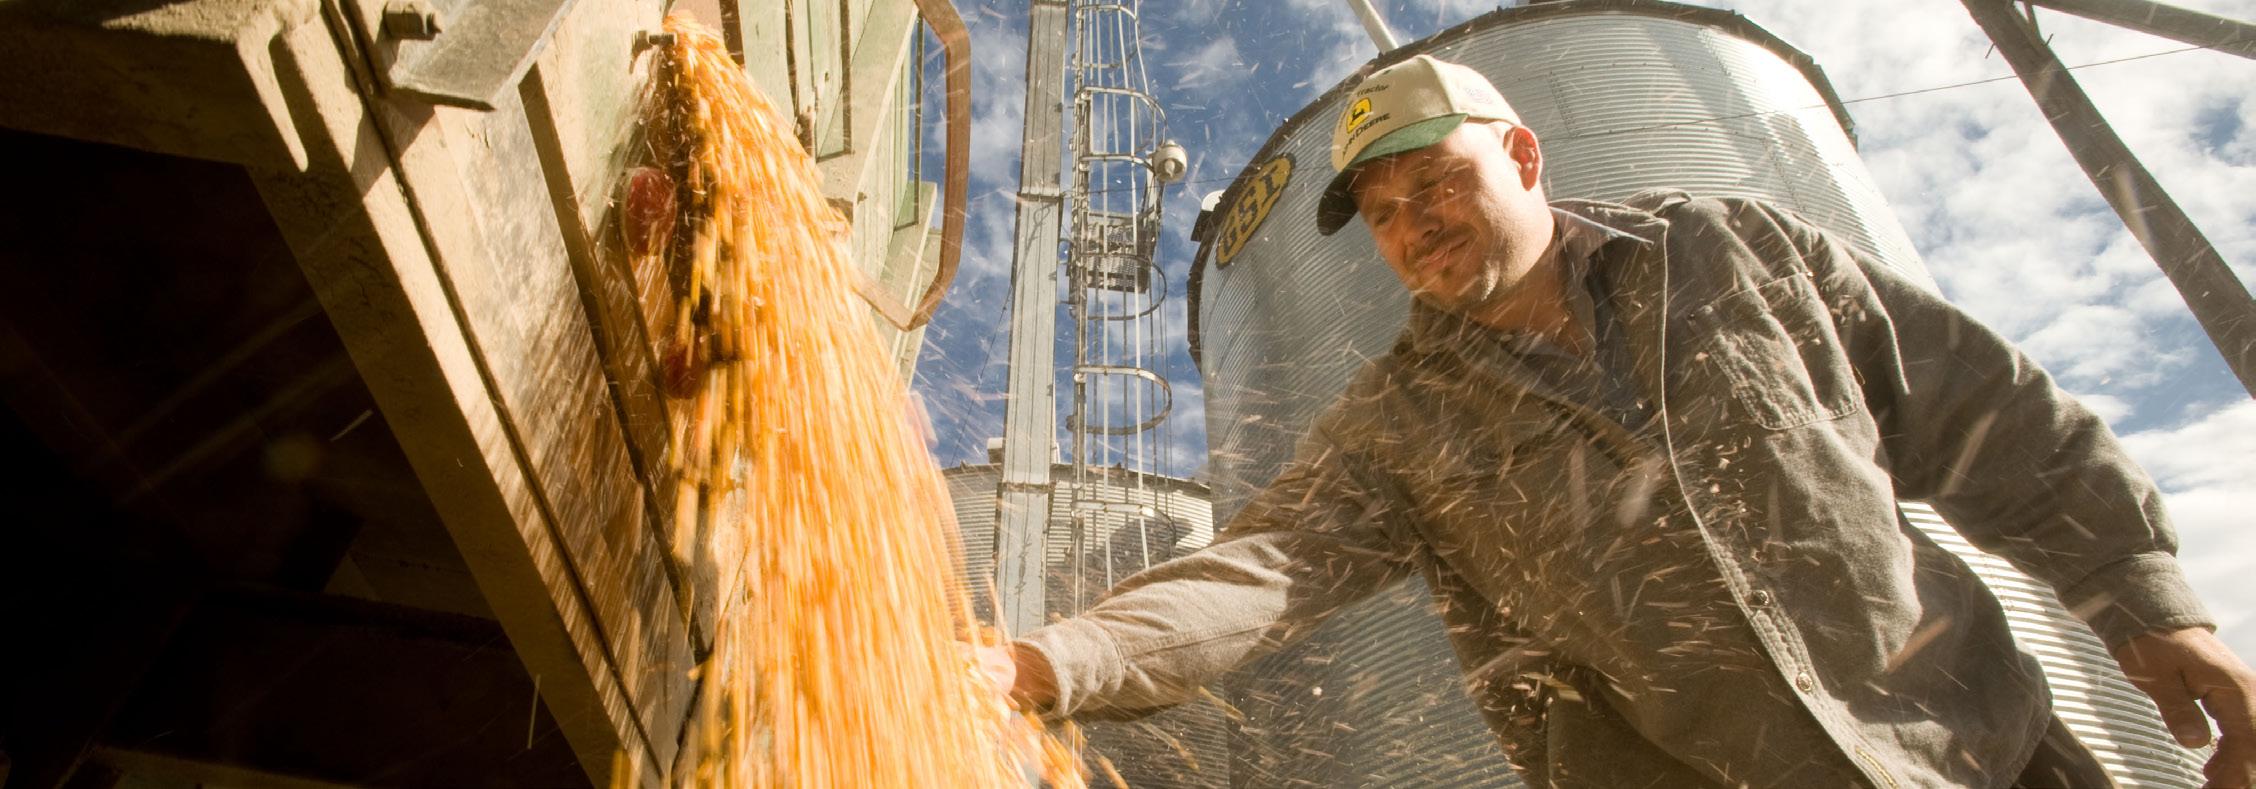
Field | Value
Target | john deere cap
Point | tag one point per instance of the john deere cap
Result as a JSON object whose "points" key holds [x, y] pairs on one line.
{"points": [[1403, 107]]}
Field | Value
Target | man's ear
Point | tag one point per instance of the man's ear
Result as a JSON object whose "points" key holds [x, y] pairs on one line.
{"points": [[1526, 153]]}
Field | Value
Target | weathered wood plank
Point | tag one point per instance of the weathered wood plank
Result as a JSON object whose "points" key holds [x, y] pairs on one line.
{"points": [[879, 60], [907, 267], [193, 78], [820, 54], [363, 248], [906, 345], [477, 178], [592, 80], [629, 310], [582, 101], [624, 340], [766, 53]]}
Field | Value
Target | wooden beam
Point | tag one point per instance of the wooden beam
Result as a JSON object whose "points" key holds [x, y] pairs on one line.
{"points": [[192, 78], [877, 69], [761, 28], [477, 183], [2230, 36], [378, 262], [582, 103]]}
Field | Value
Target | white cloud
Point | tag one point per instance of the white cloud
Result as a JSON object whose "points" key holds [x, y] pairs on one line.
{"points": [[1329, 27], [2207, 470], [1434, 14], [1196, 13], [2017, 235], [1186, 430], [1215, 65], [2103, 346], [2109, 407]]}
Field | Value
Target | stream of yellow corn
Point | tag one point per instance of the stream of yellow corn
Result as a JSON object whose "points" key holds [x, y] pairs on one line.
{"points": [[838, 657]]}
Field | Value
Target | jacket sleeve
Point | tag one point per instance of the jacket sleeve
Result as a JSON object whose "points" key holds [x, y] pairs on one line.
{"points": [[1972, 426], [1319, 538]]}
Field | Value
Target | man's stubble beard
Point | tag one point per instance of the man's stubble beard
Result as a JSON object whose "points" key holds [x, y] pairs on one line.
{"points": [[1485, 287]]}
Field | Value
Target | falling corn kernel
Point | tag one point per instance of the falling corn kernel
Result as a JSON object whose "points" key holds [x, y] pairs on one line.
{"points": [[838, 658]]}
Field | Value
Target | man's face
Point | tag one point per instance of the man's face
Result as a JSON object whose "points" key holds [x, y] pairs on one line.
{"points": [[1453, 219]]}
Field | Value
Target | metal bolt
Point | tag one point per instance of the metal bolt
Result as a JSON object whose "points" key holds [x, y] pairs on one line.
{"points": [[413, 20], [645, 39]]}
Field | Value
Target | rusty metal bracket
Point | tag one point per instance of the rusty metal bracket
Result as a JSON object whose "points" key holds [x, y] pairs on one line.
{"points": [[955, 41]]}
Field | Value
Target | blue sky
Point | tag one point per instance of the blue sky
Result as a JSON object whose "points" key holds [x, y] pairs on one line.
{"points": [[2010, 227]]}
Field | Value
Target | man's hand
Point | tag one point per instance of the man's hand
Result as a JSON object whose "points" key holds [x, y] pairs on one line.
{"points": [[2187, 671], [1019, 674], [995, 662]]}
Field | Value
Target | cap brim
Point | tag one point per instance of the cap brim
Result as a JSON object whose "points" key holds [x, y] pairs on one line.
{"points": [[1338, 203]]}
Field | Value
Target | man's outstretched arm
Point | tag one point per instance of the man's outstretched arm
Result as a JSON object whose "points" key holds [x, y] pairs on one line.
{"points": [[1319, 538], [1976, 428]]}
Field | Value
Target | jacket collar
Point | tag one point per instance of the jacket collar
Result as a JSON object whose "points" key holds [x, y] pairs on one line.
{"points": [[1584, 229]]}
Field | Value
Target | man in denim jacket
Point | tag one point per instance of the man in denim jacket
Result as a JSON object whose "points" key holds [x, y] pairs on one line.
{"points": [[1648, 458]]}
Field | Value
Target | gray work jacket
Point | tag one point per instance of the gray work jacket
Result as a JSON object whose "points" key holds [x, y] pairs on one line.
{"points": [[1732, 598]]}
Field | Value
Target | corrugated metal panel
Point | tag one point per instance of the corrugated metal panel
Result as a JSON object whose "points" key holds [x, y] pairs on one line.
{"points": [[1657, 101], [1187, 746], [2115, 719], [1625, 96], [1185, 502], [1373, 699], [972, 490]]}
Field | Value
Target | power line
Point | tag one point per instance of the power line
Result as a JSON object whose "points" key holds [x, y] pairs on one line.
{"points": [[1862, 99], [1970, 83], [1717, 118]]}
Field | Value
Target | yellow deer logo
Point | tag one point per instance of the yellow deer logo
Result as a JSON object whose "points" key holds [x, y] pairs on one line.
{"points": [[1357, 114]]}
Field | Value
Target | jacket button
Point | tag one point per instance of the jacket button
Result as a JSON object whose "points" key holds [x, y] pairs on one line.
{"points": [[1759, 597], [1803, 683]]}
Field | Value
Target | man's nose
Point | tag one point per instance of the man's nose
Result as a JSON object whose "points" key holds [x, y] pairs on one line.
{"points": [[1421, 223]]}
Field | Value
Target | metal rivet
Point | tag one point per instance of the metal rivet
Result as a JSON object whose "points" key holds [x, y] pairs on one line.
{"points": [[1759, 597], [1804, 683], [414, 20]]}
